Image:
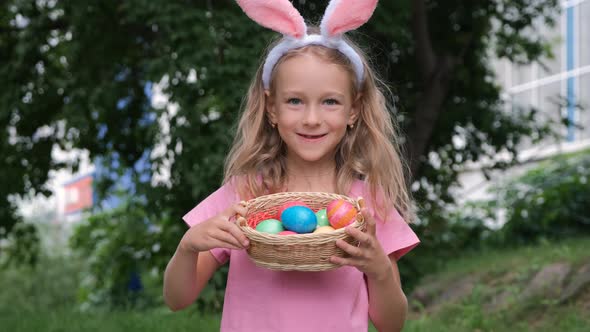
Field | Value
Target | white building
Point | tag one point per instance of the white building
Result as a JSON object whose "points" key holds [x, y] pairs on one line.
{"points": [[564, 80]]}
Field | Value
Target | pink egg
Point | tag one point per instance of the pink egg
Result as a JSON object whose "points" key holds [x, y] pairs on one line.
{"points": [[287, 233], [341, 213]]}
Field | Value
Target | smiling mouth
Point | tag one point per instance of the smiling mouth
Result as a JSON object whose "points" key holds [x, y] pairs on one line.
{"points": [[312, 136]]}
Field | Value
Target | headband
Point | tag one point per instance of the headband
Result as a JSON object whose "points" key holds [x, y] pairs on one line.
{"points": [[340, 17]]}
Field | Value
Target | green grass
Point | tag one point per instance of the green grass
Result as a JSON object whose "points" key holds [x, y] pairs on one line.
{"points": [[495, 261], [45, 299], [67, 319], [515, 267], [470, 317]]}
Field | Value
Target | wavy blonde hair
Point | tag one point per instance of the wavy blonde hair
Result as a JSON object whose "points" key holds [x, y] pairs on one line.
{"points": [[369, 151]]}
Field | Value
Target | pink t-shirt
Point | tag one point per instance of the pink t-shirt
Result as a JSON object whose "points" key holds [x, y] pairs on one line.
{"points": [[261, 300]]}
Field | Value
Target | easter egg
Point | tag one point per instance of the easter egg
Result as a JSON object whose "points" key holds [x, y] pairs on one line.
{"points": [[288, 205], [271, 226], [299, 219], [341, 213], [255, 218], [322, 218], [324, 229], [287, 233]]}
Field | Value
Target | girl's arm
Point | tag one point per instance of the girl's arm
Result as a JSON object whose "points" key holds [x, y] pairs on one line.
{"points": [[388, 305], [192, 265], [387, 302], [186, 275]]}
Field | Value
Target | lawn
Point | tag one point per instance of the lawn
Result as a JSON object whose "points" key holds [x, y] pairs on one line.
{"points": [[44, 300]]}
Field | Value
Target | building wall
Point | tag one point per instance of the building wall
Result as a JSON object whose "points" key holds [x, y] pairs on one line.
{"points": [[558, 87], [79, 194]]}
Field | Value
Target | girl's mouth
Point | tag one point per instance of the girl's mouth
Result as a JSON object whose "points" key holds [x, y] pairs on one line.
{"points": [[312, 137]]}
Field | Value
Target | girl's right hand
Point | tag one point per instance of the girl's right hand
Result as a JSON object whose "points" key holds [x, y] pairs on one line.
{"points": [[216, 232]]}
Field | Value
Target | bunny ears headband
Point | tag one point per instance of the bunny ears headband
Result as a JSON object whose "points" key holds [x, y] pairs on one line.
{"points": [[280, 15]]}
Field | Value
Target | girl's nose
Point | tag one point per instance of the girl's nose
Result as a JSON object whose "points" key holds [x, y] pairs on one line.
{"points": [[312, 116]]}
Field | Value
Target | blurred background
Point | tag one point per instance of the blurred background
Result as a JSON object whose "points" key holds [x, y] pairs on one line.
{"points": [[116, 118]]}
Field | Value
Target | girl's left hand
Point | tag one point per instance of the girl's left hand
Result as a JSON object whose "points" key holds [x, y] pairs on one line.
{"points": [[369, 256]]}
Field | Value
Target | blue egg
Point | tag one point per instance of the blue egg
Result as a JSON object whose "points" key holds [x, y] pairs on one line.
{"points": [[299, 219]]}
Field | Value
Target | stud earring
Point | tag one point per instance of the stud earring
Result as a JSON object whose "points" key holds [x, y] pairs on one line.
{"points": [[351, 125], [272, 124]]}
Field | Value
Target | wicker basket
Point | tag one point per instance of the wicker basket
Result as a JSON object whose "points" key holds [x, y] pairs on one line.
{"points": [[299, 252]]}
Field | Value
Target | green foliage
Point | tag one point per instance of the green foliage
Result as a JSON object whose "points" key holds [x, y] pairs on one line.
{"points": [[549, 201], [126, 243], [49, 285], [21, 247], [78, 72], [461, 230]]}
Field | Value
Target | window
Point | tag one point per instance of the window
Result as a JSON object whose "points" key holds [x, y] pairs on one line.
{"points": [[550, 100], [556, 38], [522, 99], [521, 74], [584, 34], [583, 115]]}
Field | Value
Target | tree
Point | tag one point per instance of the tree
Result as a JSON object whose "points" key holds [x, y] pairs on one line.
{"points": [[79, 74]]}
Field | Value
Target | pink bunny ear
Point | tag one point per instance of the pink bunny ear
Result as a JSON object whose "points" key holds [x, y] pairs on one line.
{"points": [[278, 15], [345, 15]]}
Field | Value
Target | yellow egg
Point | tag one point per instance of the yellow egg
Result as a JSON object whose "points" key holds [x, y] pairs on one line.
{"points": [[324, 229]]}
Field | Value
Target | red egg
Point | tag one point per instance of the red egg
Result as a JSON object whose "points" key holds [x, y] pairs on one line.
{"points": [[341, 213], [287, 233], [288, 205]]}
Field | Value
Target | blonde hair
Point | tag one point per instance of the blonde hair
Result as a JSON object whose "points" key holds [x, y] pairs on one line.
{"points": [[368, 151]]}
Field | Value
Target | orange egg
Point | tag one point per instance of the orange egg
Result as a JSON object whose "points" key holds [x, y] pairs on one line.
{"points": [[341, 213]]}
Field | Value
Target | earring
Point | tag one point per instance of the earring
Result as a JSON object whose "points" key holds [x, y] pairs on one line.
{"points": [[351, 125], [273, 125]]}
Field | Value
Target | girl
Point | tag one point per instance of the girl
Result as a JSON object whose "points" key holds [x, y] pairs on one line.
{"points": [[314, 120]]}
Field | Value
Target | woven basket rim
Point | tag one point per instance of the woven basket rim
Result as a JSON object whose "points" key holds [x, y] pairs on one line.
{"points": [[297, 195], [276, 252]]}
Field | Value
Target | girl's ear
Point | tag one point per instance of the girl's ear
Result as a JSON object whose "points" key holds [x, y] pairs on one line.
{"points": [[270, 107]]}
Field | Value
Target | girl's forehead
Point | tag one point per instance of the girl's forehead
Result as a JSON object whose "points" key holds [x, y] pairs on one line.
{"points": [[309, 71]]}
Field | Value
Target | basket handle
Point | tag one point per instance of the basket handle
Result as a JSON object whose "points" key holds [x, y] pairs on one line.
{"points": [[361, 205], [239, 219]]}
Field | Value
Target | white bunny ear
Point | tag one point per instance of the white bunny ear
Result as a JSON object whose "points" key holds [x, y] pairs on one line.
{"points": [[345, 15], [278, 15]]}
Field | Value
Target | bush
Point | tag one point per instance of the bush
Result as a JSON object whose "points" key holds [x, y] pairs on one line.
{"points": [[21, 247], [125, 253], [549, 201]]}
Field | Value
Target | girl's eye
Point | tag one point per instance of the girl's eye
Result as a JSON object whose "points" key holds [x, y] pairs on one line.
{"points": [[331, 102], [294, 101]]}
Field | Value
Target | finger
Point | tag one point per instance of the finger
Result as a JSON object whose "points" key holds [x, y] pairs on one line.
{"points": [[349, 249], [344, 261], [364, 238], [238, 208], [223, 236], [236, 233], [370, 221]]}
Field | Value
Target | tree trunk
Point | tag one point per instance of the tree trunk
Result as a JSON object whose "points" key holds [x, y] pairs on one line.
{"points": [[435, 72]]}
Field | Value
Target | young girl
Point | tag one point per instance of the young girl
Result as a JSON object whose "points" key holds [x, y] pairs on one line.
{"points": [[314, 120]]}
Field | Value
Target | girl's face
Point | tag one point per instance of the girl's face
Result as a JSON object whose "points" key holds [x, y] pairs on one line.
{"points": [[312, 105]]}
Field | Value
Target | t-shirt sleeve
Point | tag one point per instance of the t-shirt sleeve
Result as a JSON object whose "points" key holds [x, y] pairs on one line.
{"points": [[209, 207], [395, 235]]}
